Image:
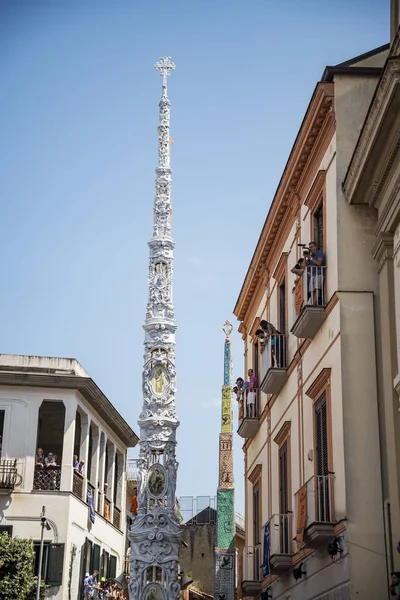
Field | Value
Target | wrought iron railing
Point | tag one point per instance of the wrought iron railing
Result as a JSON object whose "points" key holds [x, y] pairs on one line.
{"points": [[132, 469], [319, 500], [248, 405], [280, 534], [310, 289], [252, 562], [47, 478], [274, 354], [117, 517], [77, 485], [198, 510], [9, 476]]}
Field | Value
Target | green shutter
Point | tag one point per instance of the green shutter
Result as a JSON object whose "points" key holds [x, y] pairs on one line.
{"points": [[96, 558], [55, 562], [112, 567]]}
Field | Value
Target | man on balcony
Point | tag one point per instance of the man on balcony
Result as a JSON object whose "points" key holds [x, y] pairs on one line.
{"points": [[315, 262]]}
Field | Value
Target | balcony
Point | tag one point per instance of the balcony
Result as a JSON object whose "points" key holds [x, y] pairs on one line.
{"points": [[9, 476], [320, 510], [251, 582], [77, 485], [281, 543], [47, 478], [309, 300], [274, 364], [248, 416]]}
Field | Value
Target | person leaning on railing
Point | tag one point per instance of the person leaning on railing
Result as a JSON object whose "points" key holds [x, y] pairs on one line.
{"points": [[316, 260], [271, 334]]}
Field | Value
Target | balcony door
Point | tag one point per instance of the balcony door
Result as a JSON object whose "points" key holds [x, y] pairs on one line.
{"points": [[2, 417], [322, 461], [283, 499]]}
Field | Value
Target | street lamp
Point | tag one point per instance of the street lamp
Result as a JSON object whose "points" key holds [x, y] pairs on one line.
{"points": [[44, 522]]}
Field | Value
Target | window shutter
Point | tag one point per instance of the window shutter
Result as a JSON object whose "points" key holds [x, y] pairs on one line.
{"points": [[283, 479], [55, 563], [112, 567], [96, 558], [321, 437]]}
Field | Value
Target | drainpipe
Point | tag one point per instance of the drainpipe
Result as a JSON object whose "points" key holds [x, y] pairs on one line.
{"points": [[388, 537]]}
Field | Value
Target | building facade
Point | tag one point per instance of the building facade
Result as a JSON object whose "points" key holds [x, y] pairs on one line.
{"points": [[313, 494], [52, 404], [372, 183]]}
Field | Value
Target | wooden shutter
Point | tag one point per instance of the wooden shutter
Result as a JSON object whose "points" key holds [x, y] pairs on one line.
{"points": [[321, 437], [55, 562], [256, 514], [112, 567], [283, 479], [96, 558]]}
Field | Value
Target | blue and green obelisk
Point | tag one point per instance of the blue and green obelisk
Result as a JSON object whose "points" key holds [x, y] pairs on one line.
{"points": [[225, 547]]}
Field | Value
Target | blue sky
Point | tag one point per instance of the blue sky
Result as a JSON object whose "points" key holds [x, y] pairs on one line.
{"points": [[79, 100]]}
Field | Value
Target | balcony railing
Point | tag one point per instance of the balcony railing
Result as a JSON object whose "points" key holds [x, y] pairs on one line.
{"points": [[77, 485], [281, 543], [47, 478], [198, 510], [132, 469], [249, 413], [9, 476], [117, 517], [252, 563], [320, 509], [274, 364], [309, 301]]}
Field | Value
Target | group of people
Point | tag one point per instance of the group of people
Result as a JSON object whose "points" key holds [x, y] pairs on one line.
{"points": [[105, 588], [312, 262], [48, 475], [246, 395]]}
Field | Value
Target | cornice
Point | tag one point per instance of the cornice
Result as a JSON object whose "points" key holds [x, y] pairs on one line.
{"points": [[283, 433], [318, 112], [255, 474], [315, 192], [89, 390], [280, 267], [387, 88], [319, 383]]}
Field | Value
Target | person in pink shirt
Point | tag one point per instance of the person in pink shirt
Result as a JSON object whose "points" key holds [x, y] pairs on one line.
{"points": [[251, 394]]}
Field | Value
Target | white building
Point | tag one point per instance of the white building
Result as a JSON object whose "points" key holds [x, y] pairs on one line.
{"points": [[53, 404]]}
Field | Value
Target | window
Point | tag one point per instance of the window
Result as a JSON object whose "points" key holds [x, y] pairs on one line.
{"points": [[8, 529], [321, 437], [95, 558], [115, 478], [104, 564], [283, 440], [256, 514], [282, 307], [90, 452], [320, 393], [112, 567], [2, 417], [52, 563], [255, 362], [318, 226]]}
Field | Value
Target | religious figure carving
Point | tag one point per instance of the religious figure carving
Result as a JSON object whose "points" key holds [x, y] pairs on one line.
{"points": [[159, 381], [141, 483]]}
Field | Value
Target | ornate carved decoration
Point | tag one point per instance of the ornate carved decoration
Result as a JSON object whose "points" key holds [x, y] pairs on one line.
{"points": [[155, 532]]}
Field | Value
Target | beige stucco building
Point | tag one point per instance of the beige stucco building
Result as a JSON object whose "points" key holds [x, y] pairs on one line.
{"points": [[323, 436]]}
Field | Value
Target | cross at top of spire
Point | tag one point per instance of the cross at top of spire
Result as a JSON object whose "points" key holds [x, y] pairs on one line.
{"points": [[165, 66]]}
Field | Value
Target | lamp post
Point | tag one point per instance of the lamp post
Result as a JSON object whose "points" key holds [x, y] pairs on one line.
{"points": [[44, 522]]}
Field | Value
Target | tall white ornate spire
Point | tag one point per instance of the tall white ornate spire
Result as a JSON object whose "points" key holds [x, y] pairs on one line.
{"points": [[155, 532]]}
